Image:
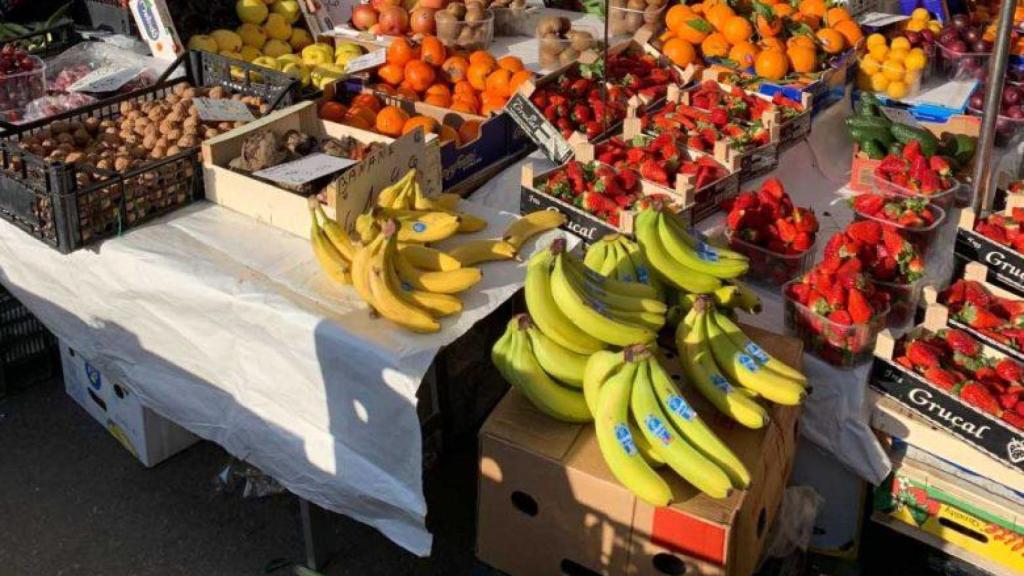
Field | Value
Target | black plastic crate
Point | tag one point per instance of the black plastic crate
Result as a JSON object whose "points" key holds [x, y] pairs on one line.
{"points": [[69, 206], [28, 351], [47, 42], [113, 15]]}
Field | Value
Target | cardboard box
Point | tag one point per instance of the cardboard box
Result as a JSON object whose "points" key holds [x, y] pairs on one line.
{"points": [[826, 87], [930, 506], [355, 187], [547, 503], [943, 408], [1005, 265], [148, 436]]}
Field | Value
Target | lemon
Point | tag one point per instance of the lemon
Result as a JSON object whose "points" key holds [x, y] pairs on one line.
{"points": [[250, 53], [267, 62], [252, 35], [203, 42], [879, 52], [879, 82], [869, 65], [318, 53], [275, 48], [893, 70], [276, 27], [900, 42], [251, 11], [916, 25], [227, 40], [299, 39], [287, 8], [920, 14], [289, 59], [897, 89], [915, 60], [875, 38], [898, 54]]}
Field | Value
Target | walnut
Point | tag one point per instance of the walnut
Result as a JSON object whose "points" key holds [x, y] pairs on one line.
{"points": [[225, 126], [210, 133], [108, 123], [65, 138], [172, 150], [188, 141], [81, 136], [218, 92], [173, 135], [189, 93], [172, 98], [190, 122], [122, 163], [180, 88], [74, 157], [105, 164], [149, 141], [111, 141], [166, 127], [92, 125], [157, 153], [59, 127], [139, 152]]}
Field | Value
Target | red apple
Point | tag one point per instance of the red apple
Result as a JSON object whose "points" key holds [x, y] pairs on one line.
{"points": [[363, 16], [380, 5], [393, 21]]}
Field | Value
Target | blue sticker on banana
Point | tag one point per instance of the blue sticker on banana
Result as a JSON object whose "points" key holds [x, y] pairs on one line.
{"points": [[749, 363], [679, 406], [419, 227], [625, 439], [721, 383], [756, 351], [658, 428]]}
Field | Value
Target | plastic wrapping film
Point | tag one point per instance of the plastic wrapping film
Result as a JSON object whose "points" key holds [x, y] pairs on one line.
{"points": [[227, 327]]}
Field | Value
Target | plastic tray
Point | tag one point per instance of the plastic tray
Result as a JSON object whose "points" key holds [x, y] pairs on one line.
{"points": [[841, 346], [1007, 129], [903, 300], [911, 78], [27, 348], [921, 238], [481, 33], [962, 66], [17, 90], [46, 200], [769, 268], [628, 21], [943, 199]]}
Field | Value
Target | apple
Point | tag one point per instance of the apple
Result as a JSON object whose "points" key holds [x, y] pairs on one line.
{"points": [[363, 17]]}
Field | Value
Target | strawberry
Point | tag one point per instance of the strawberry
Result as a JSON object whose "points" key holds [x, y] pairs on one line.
{"points": [[977, 395], [799, 291], [930, 182], [773, 188], [1013, 419], [804, 220], [918, 167], [942, 378], [891, 164], [818, 303], [923, 355], [955, 294], [803, 242], [1009, 371], [869, 204], [836, 296], [912, 150], [940, 165], [840, 317], [976, 294], [858, 306], [960, 341], [787, 231], [865, 231], [979, 317]]}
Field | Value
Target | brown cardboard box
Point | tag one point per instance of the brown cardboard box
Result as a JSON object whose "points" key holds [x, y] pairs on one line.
{"points": [[547, 503]]}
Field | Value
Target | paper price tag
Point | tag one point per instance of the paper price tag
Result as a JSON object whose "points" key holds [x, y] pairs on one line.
{"points": [[878, 19], [366, 61], [900, 115], [105, 79], [304, 170], [222, 110]]}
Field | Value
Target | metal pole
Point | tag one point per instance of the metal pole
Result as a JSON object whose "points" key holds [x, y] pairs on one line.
{"points": [[604, 67], [993, 99]]}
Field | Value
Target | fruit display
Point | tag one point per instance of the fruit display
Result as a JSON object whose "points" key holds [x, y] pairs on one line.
{"points": [[913, 174], [474, 83], [681, 260], [558, 44], [1004, 229], [879, 250], [573, 102], [22, 78], [596, 188], [267, 32], [664, 160], [630, 16], [773, 40], [964, 48], [891, 67], [710, 95], [776, 237], [998, 318], [465, 25], [640, 73], [1011, 110], [953, 361], [703, 128], [917, 219], [617, 257], [368, 112]]}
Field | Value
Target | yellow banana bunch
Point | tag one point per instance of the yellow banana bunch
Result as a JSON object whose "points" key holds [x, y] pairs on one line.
{"points": [[406, 194], [530, 225], [331, 245]]}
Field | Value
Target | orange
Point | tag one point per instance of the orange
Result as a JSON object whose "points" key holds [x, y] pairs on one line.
{"points": [[358, 122], [428, 124], [477, 75], [497, 83], [367, 116], [813, 22], [850, 31], [718, 15], [768, 27], [518, 79], [367, 101], [510, 63], [448, 134], [399, 52], [738, 29], [469, 99], [491, 102], [715, 46], [391, 120], [771, 64], [677, 16], [469, 131], [773, 44], [333, 111], [464, 87], [812, 8], [462, 106], [801, 40], [454, 68], [782, 9], [695, 30], [831, 41], [391, 73], [438, 95], [743, 54], [836, 15], [383, 88], [419, 75], [802, 59], [406, 92], [482, 57], [680, 52], [432, 51]]}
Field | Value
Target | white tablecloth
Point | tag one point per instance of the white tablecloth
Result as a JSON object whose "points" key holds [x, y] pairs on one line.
{"points": [[227, 327]]}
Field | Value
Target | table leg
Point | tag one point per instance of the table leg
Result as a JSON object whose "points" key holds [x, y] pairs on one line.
{"points": [[316, 533]]}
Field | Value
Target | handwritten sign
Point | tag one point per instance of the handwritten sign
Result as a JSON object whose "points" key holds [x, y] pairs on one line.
{"points": [[105, 79], [537, 127], [305, 169], [222, 110], [366, 61]]}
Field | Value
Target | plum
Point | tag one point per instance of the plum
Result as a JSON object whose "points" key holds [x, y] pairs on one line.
{"points": [[1011, 95], [958, 47], [977, 101], [971, 35], [961, 21], [913, 37]]}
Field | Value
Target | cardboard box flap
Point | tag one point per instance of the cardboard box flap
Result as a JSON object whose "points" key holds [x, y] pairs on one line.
{"points": [[517, 421]]}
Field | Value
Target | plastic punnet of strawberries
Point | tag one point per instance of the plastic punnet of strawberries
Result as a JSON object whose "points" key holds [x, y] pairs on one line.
{"points": [[953, 361], [998, 318], [641, 74], [703, 128], [916, 218], [1003, 229], [596, 188], [913, 173], [574, 103], [738, 103], [660, 159], [776, 236]]}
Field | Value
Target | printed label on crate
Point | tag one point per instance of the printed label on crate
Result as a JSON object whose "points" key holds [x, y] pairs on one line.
{"points": [[537, 127], [305, 169], [1007, 264], [759, 160], [222, 110], [900, 115], [105, 79], [366, 61], [987, 433], [586, 227], [879, 19], [793, 131]]}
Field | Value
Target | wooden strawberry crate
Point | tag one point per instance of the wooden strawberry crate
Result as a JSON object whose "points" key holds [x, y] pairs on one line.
{"points": [[1005, 265], [980, 429]]}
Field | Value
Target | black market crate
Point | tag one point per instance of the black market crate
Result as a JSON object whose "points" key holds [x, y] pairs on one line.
{"points": [[72, 205], [46, 42], [113, 15], [28, 351], [1005, 265]]}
